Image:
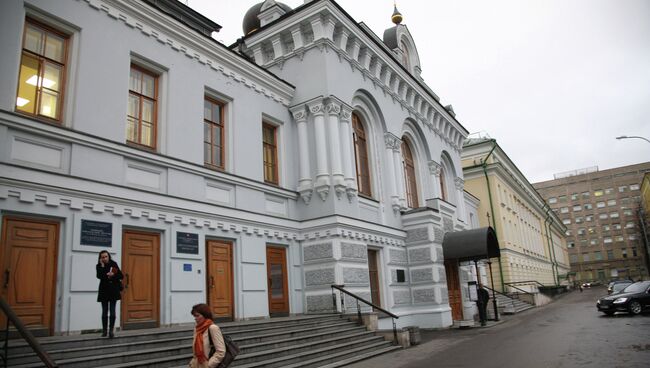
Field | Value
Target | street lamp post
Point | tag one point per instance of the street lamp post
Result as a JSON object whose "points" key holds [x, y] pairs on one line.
{"points": [[633, 136]]}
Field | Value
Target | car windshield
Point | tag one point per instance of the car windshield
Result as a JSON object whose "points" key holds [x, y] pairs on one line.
{"points": [[637, 287], [620, 286]]}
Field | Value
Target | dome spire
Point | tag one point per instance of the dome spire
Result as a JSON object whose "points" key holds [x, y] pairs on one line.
{"points": [[397, 16]]}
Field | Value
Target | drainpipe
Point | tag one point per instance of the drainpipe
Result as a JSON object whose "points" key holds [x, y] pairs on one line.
{"points": [[487, 180], [549, 239]]}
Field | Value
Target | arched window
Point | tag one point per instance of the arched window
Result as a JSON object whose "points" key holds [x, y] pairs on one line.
{"points": [[443, 184], [361, 156], [409, 175], [405, 56]]}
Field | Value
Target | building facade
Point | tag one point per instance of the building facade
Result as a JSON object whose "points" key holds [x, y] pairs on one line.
{"points": [[308, 154], [531, 236], [601, 212]]}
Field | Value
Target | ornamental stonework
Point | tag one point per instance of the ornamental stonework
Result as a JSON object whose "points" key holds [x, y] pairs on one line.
{"points": [[447, 224], [319, 303], [424, 295], [420, 255], [351, 303], [353, 275], [422, 275], [320, 277], [438, 234], [401, 297], [397, 256], [318, 251], [356, 251], [418, 234]]}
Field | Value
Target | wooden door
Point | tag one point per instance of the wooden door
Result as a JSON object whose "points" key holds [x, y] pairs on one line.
{"points": [[220, 280], [141, 268], [278, 290], [373, 272], [453, 288], [28, 258]]}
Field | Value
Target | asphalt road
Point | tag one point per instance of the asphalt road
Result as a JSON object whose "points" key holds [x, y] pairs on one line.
{"points": [[567, 333]]}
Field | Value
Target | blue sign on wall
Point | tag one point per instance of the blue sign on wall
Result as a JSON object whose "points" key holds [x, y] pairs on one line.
{"points": [[187, 243], [187, 267], [96, 233]]}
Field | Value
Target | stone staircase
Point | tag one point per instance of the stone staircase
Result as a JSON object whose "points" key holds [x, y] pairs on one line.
{"points": [[509, 305], [303, 341]]}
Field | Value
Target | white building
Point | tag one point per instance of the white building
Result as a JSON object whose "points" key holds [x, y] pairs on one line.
{"points": [[310, 153]]}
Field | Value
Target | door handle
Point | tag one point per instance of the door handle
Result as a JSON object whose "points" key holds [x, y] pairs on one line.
{"points": [[126, 276], [212, 282], [7, 273]]}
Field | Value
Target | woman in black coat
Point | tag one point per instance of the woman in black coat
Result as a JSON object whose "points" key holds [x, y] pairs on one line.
{"points": [[110, 285]]}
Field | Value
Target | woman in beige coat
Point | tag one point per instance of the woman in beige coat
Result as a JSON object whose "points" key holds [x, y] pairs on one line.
{"points": [[204, 332]]}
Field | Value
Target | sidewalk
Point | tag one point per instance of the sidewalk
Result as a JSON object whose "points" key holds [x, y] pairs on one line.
{"points": [[431, 341]]}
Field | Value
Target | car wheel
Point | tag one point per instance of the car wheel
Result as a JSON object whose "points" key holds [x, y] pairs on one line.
{"points": [[635, 307], [609, 313]]}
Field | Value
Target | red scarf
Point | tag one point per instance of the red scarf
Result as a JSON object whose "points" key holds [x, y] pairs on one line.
{"points": [[198, 340]]}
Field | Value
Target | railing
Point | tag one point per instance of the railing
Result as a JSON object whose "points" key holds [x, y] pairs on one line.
{"points": [[24, 332], [360, 299], [533, 282]]}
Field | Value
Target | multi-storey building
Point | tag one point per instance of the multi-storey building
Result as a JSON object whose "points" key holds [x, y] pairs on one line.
{"points": [[601, 212], [644, 217], [531, 237], [310, 153]]}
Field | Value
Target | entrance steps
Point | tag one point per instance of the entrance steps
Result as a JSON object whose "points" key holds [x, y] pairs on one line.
{"points": [[301, 341], [509, 305]]}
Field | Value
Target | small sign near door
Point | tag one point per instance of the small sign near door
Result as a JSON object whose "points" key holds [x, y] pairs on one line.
{"points": [[96, 233], [187, 243]]}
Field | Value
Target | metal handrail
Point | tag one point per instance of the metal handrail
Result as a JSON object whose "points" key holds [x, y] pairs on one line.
{"points": [[24, 332], [358, 299], [522, 290], [526, 282]]}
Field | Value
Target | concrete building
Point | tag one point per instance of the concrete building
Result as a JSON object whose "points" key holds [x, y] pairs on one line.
{"points": [[601, 212], [531, 236], [254, 176], [644, 217]]}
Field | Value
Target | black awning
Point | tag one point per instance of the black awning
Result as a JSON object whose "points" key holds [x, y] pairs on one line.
{"points": [[471, 245]]}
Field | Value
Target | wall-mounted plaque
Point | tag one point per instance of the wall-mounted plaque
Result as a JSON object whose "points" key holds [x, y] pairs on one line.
{"points": [[401, 277], [96, 233], [187, 243]]}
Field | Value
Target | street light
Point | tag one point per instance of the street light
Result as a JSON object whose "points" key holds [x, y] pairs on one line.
{"points": [[633, 136]]}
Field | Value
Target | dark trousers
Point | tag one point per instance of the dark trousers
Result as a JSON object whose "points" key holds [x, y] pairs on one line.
{"points": [[482, 311], [108, 306]]}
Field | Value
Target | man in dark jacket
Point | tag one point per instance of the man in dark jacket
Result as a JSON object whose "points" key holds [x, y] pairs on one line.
{"points": [[482, 302]]}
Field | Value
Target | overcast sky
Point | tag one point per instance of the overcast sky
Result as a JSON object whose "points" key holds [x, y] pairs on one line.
{"points": [[553, 81]]}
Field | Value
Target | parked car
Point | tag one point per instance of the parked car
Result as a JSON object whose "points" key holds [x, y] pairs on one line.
{"points": [[618, 285], [633, 299]]}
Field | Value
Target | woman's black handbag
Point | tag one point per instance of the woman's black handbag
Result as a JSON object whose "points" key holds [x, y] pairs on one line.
{"points": [[232, 350]]}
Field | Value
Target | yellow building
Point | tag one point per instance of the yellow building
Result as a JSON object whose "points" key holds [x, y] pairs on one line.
{"points": [[531, 236]]}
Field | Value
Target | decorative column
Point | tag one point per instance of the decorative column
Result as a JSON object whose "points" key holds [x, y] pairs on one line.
{"points": [[346, 150], [435, 169], [399, 172], [333, 109], [322, 185], [460, 184], [304, 182], [391, 142]]}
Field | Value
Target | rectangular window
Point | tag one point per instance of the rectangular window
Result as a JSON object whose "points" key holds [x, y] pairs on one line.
{"points": [[607, 240], [142, 114], [579, 220], [605, 228], [213, 133], [616, 226], [598, 256], [588, 206], [566, 221], [552, 200], [582, 231], [561, 198], [574, 196], [627, 212], [585, 257], [609, 190], [589, 218], [42, 71], [270, 147], [619, 238], [573, 258], [585, 195], [634, 187], [598, 193], [610, 254], [593, 241], [577, 208], [624, 253], [613, 215], [571, 245], [629, 225], [622, 188], [602, 216], [611, 202], [600, 204], [634, 254], [564, 210]]}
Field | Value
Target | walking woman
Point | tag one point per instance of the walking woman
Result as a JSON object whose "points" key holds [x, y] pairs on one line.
{"points": [[110, 285], [207, 335]]}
